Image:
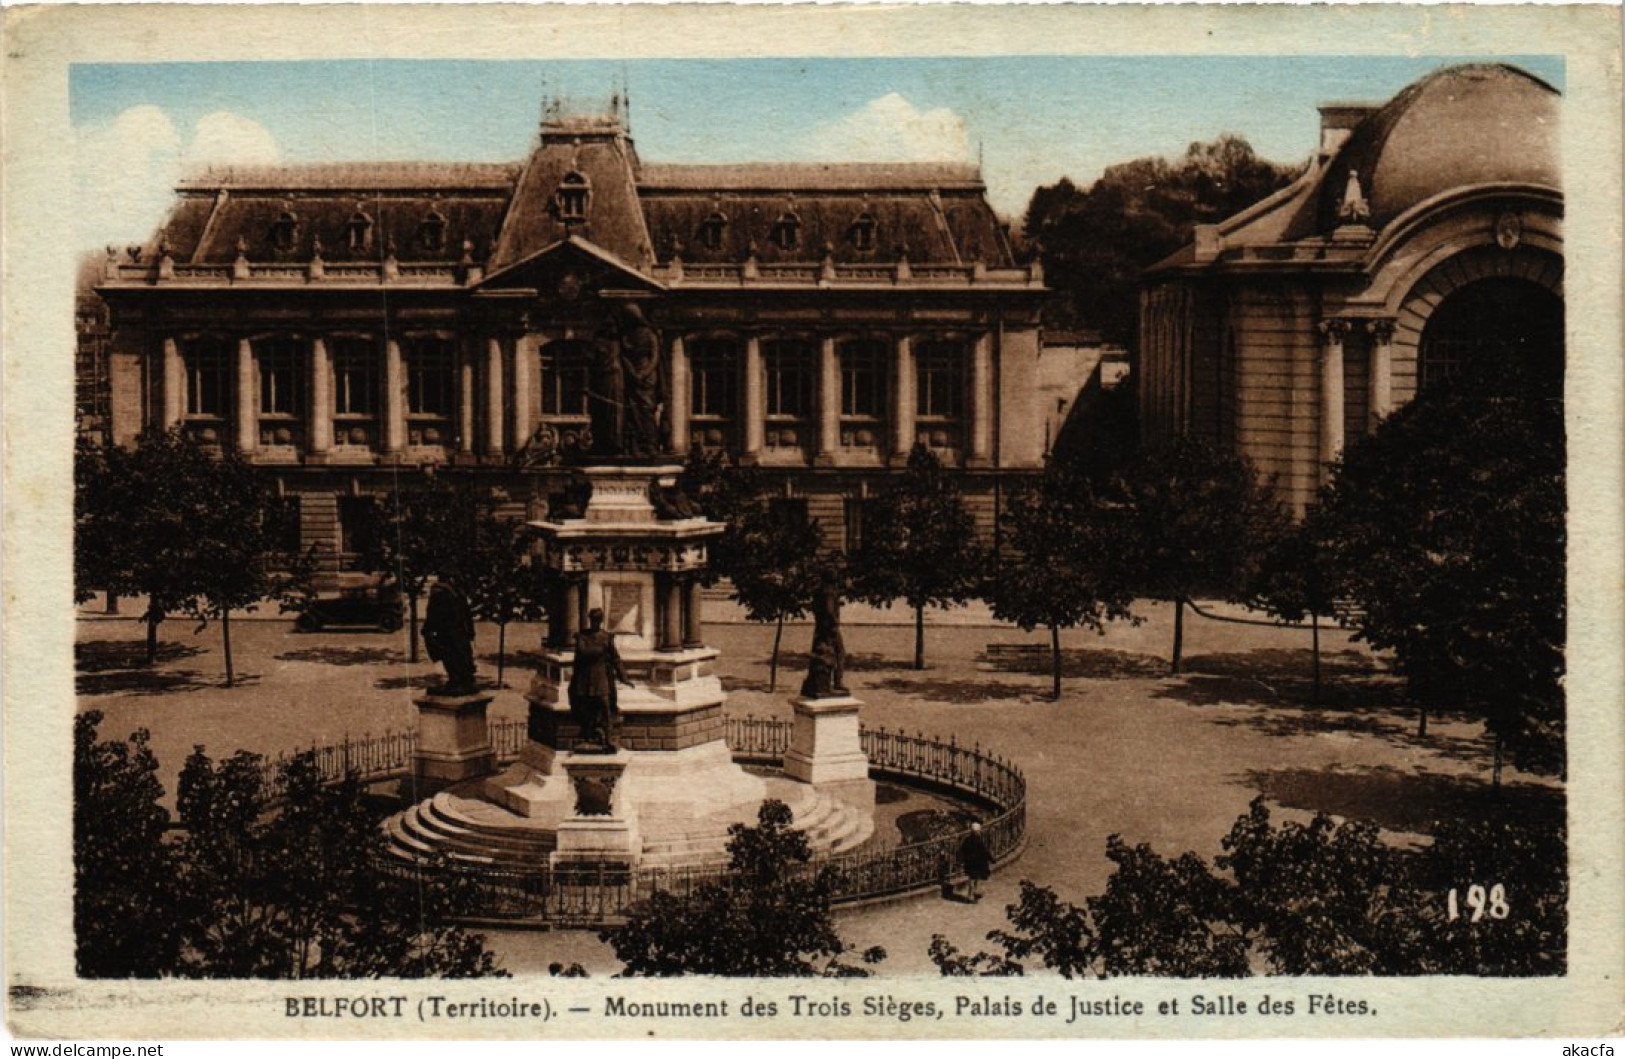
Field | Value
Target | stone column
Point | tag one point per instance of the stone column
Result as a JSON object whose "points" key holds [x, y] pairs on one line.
{"points": [[903, 399], [981, 401], [677, 414], [174, 384], [493, 396], [671, 613], [320, 438], [755, 409], [574, 603], [693, 633], [465, 400], [829, 401], [1333, 332], [1381, 400], [394, 399], [524, 416], [248, 422]]}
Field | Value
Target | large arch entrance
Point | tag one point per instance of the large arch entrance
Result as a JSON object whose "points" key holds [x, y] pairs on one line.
{"points": [[1508, 326]]}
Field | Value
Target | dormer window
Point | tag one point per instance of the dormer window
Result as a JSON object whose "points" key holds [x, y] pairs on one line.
{"points": [[786, 233], [432, 233], [863, 233], [358, 232], [571, 198], [711, 230], [285, 232]]}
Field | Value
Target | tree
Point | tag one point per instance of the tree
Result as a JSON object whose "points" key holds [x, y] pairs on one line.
{"points": [[1315, 898], [236, 550], [919, 545], [1196, 514], [770, 552], [1294, 582], [1094, 243], [136, 518], [123, 869], [1059, 572], [1446, 530], [769, 916], [776, 568], [422, 533], [503, 582], [283, 880]]}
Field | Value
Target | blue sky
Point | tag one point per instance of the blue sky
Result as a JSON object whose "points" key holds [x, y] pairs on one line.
{"points": [[1032, 119]]}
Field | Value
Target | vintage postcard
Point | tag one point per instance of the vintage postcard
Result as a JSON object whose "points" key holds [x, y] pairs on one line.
{"points": [[852, 522]]}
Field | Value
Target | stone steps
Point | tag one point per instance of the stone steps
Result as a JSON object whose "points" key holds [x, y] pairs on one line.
{"points": [[473, 831]]}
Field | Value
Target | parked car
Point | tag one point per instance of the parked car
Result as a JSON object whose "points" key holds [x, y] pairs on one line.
{"points": [[370, 603]]}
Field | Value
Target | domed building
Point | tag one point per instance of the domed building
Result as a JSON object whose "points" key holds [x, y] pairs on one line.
{"points": [[1426, 232]]}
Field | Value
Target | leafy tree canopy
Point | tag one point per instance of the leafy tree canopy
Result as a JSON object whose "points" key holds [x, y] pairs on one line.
{"points": [[1446, 529], [1315, 898], [124, 872], [768, 916], [1095, 242], [1062, 570], [919, 544]]}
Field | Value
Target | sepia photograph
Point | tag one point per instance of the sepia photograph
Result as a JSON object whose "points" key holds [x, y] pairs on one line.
{"points": [[547, 518]]}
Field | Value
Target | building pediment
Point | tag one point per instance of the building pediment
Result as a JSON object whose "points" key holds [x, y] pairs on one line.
{"points": [[569, 270]]}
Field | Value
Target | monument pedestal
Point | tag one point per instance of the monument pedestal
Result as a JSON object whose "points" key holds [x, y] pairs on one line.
{"points": [[602, 827], [827, 752], [454, 743]]}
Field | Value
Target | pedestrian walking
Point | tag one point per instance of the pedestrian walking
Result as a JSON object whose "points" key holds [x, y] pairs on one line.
{"points": [[976, 860]]}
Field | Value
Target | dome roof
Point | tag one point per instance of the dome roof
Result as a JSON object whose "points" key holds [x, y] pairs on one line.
{"points": [[1458, 127]]}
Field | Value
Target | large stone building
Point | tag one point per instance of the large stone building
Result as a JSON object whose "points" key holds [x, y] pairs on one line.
{"points": [[347, 325], [1427, 231]]}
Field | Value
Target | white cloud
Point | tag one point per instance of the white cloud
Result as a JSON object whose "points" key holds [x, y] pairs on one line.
{"points": [[125, 171], [891, 129], [224, 138]]}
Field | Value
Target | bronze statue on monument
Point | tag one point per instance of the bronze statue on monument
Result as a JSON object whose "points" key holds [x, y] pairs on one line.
{"points": [[826, 660], [597, 669], [448, 633]]}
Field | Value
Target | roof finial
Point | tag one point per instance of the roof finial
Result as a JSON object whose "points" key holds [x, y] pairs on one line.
{"points": [[1354, 209]]}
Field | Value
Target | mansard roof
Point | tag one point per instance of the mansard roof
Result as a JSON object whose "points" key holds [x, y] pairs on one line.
{"points": [[643, 215]]}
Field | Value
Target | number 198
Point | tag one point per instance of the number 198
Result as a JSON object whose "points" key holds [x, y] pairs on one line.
{"points": [[1492, 903]]}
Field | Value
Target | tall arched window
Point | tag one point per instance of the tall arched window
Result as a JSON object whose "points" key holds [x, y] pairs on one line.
{"points": [[863, 393], [209, 391], [863, 233], [786, 232], [358, 232], [1500, 325], [711, 231], [789, 366], [285, 231], [282, 376], [713, 390], [572, 198], [432, 232], [565, 365]]}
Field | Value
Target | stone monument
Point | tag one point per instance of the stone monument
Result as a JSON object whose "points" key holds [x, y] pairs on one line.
{"points": [[626, 760]]}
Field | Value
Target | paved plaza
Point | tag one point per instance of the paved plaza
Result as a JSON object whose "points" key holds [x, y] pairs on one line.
{"points": [[1129, 749]]}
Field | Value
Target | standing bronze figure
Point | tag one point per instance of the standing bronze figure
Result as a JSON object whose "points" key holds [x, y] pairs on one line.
{"points": [[597, 669], [448, 633], [643, 386], [826, 665], [606, 393]]}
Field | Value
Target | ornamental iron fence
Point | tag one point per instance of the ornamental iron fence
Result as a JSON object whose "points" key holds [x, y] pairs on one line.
{"points": [[601, 894]]}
